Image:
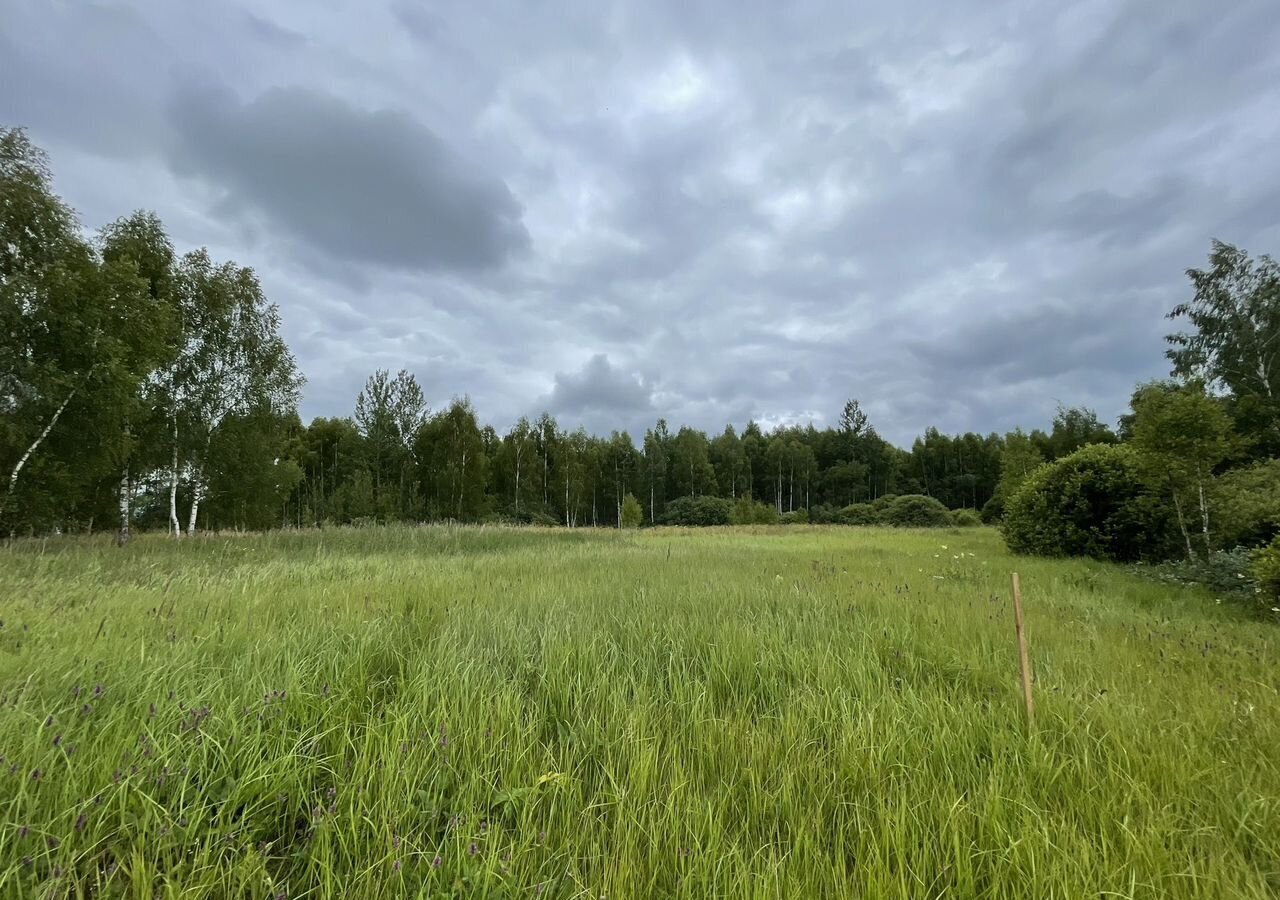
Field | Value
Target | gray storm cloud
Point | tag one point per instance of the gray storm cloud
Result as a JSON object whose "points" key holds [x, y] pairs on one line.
{"points": [[364, 186], [961, 214]]}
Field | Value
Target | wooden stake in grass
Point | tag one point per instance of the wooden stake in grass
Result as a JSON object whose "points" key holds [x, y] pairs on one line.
{"points": [[1022, 650]]}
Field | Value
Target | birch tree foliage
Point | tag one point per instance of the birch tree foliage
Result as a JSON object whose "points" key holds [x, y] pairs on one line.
{"points": [[77, 332], [453, 462], [389, 414], [232, 360], [1181, 436], [1233, 344]]}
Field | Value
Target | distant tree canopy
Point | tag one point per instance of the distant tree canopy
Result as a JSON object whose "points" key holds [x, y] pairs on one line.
{"points": [[144, 387]]}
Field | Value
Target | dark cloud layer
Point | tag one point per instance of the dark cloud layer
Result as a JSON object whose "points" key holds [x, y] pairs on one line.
{"points": [[365, 187], [962, 214]]}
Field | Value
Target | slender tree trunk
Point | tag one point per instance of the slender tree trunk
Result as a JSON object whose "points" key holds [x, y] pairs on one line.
{"points": [[174, 527], [651, 496], [1182, 525], [197, 495], [22, 461], [1204, 515], [122, 536], [517, 481]]}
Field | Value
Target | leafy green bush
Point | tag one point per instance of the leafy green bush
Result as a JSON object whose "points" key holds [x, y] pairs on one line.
{"points": [[796, 517], [1246, 505], [1092, 502], [858, 514], [751, 512], [1266, 574], [531, 517], [915, 511], [883, 502], [966, 518], [824, 514], [1226, 573], [632, 514], [698, 511]]}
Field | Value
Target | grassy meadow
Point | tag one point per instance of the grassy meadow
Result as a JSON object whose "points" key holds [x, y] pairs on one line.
{"points": [[493, 713]]}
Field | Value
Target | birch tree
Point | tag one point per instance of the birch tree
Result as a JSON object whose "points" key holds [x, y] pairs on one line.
{"points": [[389, 413], [233, 360], [1181, 436], [139, 243], [76, 333], [1233, 345]]}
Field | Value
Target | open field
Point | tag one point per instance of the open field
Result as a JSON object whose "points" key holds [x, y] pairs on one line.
{"points": [[722, 713]]}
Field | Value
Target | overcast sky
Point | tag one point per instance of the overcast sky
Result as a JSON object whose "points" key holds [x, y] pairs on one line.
{"points": [[960, 213]]}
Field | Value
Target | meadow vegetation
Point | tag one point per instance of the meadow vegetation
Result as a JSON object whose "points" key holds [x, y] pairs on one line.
{"points": [[726, 712]]}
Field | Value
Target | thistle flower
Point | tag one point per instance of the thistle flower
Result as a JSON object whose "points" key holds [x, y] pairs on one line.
{"points": [[473, 849], [437, 862]]}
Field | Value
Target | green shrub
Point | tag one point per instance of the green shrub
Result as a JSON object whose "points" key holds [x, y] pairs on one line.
{"points": [[698, 511], [1092, 502], [796, 517], [531, 517], [632, 514], [883, 502], [915, 511], [1227, 573], [858, 514], [966, 518], [1266, 574], [1245, 505], [751, 512], [824, 514]]}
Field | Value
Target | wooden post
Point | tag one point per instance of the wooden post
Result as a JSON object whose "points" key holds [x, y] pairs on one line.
{"points": [[1024, 658]]}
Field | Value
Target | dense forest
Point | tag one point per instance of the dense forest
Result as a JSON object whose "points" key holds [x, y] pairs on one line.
{"points": [[144, 388]]}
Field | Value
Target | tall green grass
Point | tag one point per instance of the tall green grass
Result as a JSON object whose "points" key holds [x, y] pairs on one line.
{"points": [[458, 712]]}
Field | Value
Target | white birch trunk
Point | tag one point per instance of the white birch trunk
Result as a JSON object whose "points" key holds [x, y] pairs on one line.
{"points": [[1182, 525], [1204, 517], [175, 527], [122, 536], [22, 461], [197, 495]]}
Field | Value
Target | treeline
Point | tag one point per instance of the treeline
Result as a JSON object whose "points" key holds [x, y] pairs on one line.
{"points": [[146, 388], [394, 460]]}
